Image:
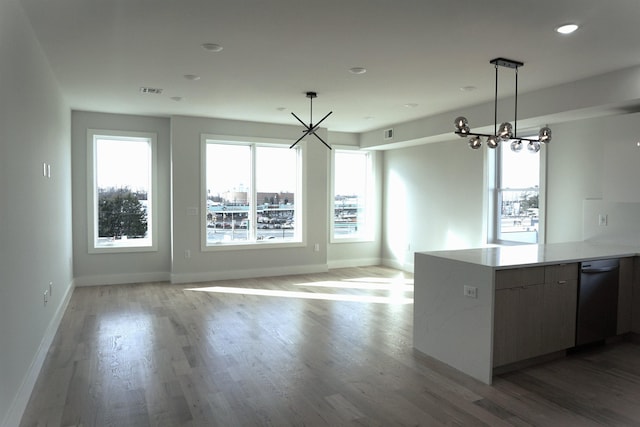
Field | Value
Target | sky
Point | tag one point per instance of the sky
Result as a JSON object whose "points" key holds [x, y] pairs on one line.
{"points": [[123, 164], [520, 170]]}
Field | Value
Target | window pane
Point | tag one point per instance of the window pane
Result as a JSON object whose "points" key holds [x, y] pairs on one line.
{"points": [[123, 189], [518, 196], [251, 193], [351, 175], [519, 215], [228, 180], [519, 170], [276, 184]]}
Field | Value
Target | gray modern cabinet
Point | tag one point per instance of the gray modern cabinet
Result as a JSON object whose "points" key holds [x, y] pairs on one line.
{"points": [[534, 311]]}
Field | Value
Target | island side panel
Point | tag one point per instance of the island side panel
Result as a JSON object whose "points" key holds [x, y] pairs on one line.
{"points": [[635, 314], [448, 326]]}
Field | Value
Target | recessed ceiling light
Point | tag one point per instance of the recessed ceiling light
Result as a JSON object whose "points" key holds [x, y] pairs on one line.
{"points": [[468, 88], [357, 70], [411, 105], [567, 28], [281, 108], [211, 47], [191, 77]]}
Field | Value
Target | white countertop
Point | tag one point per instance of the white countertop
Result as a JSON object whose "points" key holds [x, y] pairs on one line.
{"points": [[523, 255]]}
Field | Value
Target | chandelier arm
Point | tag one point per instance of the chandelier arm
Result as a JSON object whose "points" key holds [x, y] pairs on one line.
{"points": [[472, 134], [301, 138], [322, 140], [318, 124], [303, 123]]}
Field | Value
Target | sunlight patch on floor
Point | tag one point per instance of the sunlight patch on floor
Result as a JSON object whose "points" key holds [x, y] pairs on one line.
{"points": [[395, 298], [368, 284]]}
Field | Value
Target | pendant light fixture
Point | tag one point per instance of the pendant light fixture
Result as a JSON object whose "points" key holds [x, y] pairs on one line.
{"points": [[311, 129], [505, 132]]}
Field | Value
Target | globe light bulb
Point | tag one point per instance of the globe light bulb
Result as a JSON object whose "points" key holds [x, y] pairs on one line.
{"points": [[533, 146], [516, 146], [544, 135], [505, 132], [475, 142], [493, 141], [462, 126]]}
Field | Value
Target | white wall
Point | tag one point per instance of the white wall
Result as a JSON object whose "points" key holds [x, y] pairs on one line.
{"points": [[35, 211], [96, 269], [433, 192], [590, 159], [433, 199]]}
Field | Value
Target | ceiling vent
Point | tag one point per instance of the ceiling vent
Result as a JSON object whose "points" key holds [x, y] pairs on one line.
{"points": [[151, 90], [388, 134]]}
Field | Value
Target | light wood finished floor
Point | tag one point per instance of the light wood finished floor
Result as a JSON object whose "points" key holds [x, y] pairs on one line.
{"points": [[329, 349]]}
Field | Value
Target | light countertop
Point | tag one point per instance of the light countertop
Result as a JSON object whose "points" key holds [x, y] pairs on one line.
{"points": [[524, 255]]}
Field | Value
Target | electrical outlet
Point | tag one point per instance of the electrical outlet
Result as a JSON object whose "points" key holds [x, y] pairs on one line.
{"points": [[316, 247], [187, 254], [470, 291]]}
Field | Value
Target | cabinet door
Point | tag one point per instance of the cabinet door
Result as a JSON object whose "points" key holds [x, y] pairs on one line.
{"points": [[559, 308], [505, 331], [517, 324], [559, 315]]}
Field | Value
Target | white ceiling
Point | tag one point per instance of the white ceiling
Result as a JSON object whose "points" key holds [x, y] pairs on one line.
{"points": [[415, 52]]}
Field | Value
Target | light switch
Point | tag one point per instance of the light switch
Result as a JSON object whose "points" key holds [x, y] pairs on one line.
{"points": [[602, 220]]}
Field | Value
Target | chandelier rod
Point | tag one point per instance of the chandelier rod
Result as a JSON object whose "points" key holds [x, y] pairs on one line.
{"points": [[515, 119], [495, 104]]}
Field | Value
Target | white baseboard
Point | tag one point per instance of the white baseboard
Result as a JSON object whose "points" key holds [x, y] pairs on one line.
{"points": [[211, 276], [121, 279], [361, 262], [394, 263], [21, 399]]}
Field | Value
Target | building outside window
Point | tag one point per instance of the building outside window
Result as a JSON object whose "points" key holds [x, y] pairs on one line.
{"points": [[121, 191], [252, 193], [519, 199], [352, 195]]}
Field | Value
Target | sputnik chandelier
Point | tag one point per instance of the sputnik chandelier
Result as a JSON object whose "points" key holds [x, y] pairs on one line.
{"points": [[311, 129], [506, 132]]}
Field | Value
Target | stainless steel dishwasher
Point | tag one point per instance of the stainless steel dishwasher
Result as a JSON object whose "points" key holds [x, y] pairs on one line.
{"points": [[597, 301]]}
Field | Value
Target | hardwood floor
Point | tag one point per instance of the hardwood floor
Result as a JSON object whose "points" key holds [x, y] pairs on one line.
{"points": [[329, 349]]}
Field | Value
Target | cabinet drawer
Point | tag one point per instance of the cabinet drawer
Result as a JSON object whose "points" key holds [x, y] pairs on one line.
{"points": [[561, 273], [518, 277]]}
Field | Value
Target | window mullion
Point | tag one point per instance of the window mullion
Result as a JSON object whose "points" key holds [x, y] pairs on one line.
{"points": [[253, 209]]}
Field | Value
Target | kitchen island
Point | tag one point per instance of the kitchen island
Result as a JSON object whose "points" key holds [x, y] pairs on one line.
{"points": [[455, 308]]}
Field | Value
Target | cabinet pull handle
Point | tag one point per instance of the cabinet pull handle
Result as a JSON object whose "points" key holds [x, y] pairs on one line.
{"points": [[561, 282]]}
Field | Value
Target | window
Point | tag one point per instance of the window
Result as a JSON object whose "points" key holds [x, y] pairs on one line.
{"points": [[352, 195], [252, 193], [518, 200], [121, 195]]}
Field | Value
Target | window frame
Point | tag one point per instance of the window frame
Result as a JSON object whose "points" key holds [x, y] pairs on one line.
{"points": [[300, 197], [368, 234], [92, 191], [494, 166]]}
